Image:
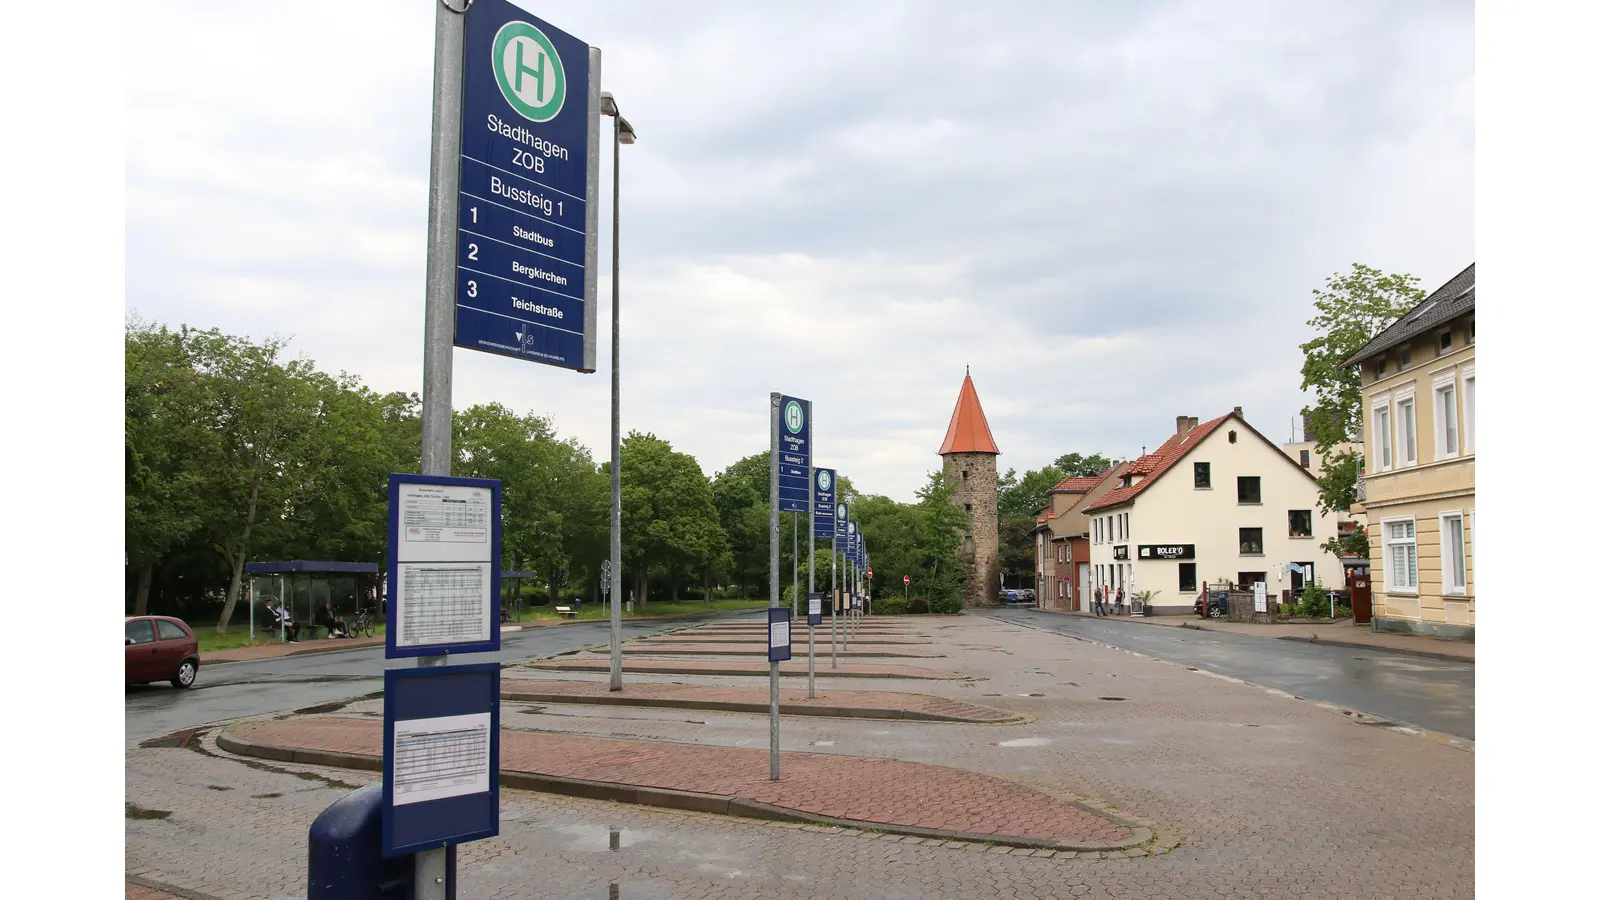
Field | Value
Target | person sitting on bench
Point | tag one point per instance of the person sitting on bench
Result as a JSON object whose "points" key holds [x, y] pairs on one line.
{"points": [[278, 620], [326, 619]]}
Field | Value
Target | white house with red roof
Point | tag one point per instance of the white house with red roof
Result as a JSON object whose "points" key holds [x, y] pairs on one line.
{"points": [[1216, 502]]}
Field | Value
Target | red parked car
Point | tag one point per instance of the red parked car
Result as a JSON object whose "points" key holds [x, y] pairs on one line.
{"points": [[161, 648]]}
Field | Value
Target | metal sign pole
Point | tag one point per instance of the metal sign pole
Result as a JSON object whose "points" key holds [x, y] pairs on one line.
{"points": [[833, 588], [811, 583], [772, 570], [794, 561], [438, 329]]}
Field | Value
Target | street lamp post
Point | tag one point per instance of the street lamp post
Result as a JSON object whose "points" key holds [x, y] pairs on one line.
{"points": [[621, 134]]}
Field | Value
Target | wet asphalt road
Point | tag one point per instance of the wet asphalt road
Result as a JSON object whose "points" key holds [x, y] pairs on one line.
{"points": [[227, 691], [1428, 693]]}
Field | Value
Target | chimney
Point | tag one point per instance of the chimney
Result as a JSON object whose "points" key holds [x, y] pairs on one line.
{"points": [[1194, 422], [1238, 411], [1183, 426]]}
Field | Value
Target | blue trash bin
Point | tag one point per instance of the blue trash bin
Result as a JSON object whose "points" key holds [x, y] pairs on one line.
{"points": [[345, 854]]}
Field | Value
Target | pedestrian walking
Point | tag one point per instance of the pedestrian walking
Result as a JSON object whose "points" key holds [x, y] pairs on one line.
{"points": [[1119, 601], [1096, 604]]}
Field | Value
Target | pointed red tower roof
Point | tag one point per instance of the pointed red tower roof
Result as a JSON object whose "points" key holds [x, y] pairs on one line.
{"points": [[969, 430]]}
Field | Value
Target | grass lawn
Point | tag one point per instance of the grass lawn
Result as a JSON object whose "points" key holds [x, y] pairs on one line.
{"points": [[656, 608], [240, 637]]}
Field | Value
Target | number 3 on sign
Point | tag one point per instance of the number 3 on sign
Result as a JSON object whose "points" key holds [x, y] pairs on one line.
{"points": [[472, 289]]}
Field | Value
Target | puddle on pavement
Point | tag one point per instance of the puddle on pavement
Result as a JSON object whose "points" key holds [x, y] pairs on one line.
{"points": [[1022, 695], [822, 743], [1117, 699], [1026, 742], [599, 838]]}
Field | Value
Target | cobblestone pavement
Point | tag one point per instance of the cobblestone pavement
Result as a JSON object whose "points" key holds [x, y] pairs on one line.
{"points": [[138, 892], [865, 790], [1270, 796], [705, 696], [796, 666]]}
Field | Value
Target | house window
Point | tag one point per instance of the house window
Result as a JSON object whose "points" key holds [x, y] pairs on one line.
{"points": [[1408, 431], [1444, 342], [1383, 439], [1472, 331], [1383, 369], [1250, 542], [1202, 476], [1405, 357], [1233, 437], [1305, 459], [1249, 488], [1186, 578], [1061, 553], [1300, 523], [966, 545], [1400, 556], [1446, 433], [1453, 554], [963, 474], [1469, 393]]}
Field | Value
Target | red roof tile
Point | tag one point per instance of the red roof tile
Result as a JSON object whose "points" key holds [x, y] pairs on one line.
{"points": [[1077, 484], [969, 430], [1154, 465]]}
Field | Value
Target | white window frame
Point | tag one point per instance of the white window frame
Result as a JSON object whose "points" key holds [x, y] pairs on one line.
{"points": [[1404, 399], [1469, 396], [1472, 543], [1389, 587], [1447, 555], [1383, 455], [1443, 412]]}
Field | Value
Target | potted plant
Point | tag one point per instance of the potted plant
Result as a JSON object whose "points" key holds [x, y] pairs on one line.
{"points": [[1141, 601]]}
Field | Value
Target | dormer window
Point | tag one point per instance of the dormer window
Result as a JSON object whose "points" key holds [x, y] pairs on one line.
{"points": [[1383, 369], [1444, 342], [1405, 357]]}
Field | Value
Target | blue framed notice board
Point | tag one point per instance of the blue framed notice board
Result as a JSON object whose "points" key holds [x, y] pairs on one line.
{"points": [[441, 756]]}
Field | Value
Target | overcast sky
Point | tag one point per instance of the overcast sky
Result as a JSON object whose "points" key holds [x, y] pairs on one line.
{"points": [[1114, 213]]}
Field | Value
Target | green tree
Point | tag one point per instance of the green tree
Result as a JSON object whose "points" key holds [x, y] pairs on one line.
{"points": [[1076, 465], [166, 450], [1024, 496], [739, 493], [669, 522], [266, 413], [554, 502], [1016, 550], [1350, 311]]}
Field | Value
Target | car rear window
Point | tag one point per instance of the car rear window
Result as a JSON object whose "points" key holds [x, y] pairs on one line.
{"points": [[170, 631], [141, 632]]}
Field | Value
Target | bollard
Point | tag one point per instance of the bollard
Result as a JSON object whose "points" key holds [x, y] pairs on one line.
{"points": [[345, 860]]}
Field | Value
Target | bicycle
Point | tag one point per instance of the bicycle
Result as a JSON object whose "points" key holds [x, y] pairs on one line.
{"points": [[363, 625]]}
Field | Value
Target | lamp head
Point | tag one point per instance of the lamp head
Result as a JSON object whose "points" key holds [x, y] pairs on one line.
{"points": [[608, 104]]}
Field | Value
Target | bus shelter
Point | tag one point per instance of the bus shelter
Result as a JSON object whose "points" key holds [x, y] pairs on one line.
{"points": [[515, 580], [303, 586]]}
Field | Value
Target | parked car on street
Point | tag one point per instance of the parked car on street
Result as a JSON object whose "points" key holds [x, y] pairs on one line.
{"points": [[161, 648], [1027, 595], [1215, 605]]}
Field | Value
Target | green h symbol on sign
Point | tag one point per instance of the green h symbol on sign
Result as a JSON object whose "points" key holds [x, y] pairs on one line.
{"points": [[514, 44], [522, 69]]}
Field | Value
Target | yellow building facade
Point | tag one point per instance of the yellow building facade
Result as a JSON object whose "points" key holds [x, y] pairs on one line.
{"points": [[1418, 488]]}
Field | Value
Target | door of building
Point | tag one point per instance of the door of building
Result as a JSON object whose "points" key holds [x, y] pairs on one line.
{"points": [[1361, 598], [1083, 587]]}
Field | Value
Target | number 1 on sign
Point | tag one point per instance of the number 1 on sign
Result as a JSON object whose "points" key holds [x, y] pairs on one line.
{"points": [[474, 215]]}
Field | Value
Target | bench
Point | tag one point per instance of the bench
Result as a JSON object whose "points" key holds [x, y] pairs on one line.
{"points": [[566, 612]]}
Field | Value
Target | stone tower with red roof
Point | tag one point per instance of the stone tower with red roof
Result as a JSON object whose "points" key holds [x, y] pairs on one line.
{"points": [[970, 458]]}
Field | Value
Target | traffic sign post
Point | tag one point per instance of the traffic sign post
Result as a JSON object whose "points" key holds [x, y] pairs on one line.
{"points": [[512, 180], [840, 523], [813, 616], [789, 490]]}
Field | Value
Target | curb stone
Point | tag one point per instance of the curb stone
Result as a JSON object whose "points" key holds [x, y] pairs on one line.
{"points": [[683, 800], [837, 712], [165, 888]]}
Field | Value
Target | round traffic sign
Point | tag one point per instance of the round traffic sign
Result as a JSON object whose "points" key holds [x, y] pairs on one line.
{"points": [[824, 480], [869, 571], [794, 417], [908, 580], [528, 71]]}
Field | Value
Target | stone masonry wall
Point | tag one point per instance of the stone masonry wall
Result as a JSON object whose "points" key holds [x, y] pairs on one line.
{"points": [[979, 489]]}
